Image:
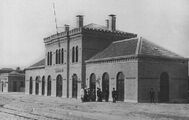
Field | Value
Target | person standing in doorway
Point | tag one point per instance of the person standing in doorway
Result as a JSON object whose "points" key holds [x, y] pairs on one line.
{"points": [[99, 95], [88, 95], [152, 95], [114, 95], [85, 95]]}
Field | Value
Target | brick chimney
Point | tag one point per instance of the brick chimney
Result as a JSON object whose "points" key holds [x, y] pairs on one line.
{"points": [[107, 23], [66, 27], [79, 22], [112, 22]]}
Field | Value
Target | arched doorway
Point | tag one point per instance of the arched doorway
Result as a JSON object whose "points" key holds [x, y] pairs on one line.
{"points": [[37, 85], [14, 86], [43, 85], [120, 86], [164, 87], [59, 86], [49, 86], [74, 86], [105, 85], [93, 85], [31, 85]]}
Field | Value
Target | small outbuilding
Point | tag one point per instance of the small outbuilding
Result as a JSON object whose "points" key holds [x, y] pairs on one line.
{"points": [[12, 80]]}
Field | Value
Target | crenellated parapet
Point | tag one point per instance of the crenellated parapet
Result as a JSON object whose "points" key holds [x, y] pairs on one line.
{"points": [[54, 37], [89, 31]]}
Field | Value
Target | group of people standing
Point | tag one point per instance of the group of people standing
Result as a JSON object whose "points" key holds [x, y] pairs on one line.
{"points": [[88, 95]]}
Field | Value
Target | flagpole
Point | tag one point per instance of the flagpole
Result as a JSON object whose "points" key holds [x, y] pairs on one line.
{"points": [[55, 17]]}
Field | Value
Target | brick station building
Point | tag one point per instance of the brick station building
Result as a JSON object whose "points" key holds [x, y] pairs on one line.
{"points": [[101, 56]]}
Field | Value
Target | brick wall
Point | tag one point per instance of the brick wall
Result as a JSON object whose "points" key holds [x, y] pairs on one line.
{"points": [[149, 77], [127, 67], [34, 73]]}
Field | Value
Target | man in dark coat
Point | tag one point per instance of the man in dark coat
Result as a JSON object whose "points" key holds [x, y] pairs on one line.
{"points": [[85, 95], [88, 94], [99, 95], [152, 95], [114, 95]]}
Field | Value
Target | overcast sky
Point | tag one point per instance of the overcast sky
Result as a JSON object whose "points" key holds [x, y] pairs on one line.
{"points": [[24, 24]]}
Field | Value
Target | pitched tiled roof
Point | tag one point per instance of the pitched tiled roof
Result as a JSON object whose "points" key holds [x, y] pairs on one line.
{"points": [[15, 73], [133, 47], [38, 64], [6, 70], [118, 48], [149, 48], [93, 26]]}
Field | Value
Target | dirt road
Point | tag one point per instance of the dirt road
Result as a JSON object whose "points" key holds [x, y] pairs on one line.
{"points": [[18, 106]]}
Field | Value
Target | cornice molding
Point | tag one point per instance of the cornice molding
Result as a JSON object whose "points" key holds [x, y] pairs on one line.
{"points": [[37, 67], [113, 59], [131, 57]]}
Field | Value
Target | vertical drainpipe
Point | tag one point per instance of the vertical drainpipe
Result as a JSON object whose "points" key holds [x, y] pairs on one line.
{"points": [[68, 57]]}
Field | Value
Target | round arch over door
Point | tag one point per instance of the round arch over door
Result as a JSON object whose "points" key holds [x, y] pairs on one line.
{"points": [[37, 85], [59, 86], [120, 86], [93, 81], [31, 85], [49, 86], [105, 85], [74, 86], [93, 85], [164, 87], [43, 86]]}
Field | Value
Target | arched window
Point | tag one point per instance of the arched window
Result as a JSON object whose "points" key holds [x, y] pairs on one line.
{"points": [[59, 56], [56, 56], [120, 86], [49, 86], [48, 58], [62, 55], [93, 85], [74, 86], [105, 86], [31, 85], [43, 85], [59, 84], [73, 54], [164, 87], [76, 54], [37, 85]]}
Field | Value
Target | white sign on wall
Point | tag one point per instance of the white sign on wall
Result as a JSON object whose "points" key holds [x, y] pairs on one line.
{"points": [[58, 70]]}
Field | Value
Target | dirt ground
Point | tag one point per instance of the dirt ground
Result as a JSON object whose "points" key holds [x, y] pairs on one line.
{"points": [[18, 106]]}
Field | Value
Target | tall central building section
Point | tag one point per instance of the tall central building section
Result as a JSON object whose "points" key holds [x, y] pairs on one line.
{"points": [[66, 53]]}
